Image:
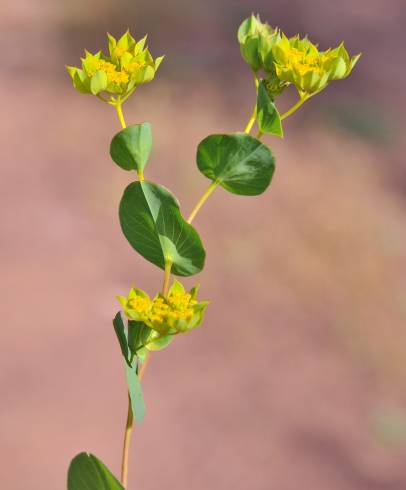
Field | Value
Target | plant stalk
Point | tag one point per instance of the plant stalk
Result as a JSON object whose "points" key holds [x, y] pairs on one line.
{"points": [[251, 120], [168, 266], [294, 108], [129, 429], [126, 445], [120, 114], [167, 277], [130, 418], [201, 201]]}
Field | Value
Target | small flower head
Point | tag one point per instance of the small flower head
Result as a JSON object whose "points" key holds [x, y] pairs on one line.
{"points": [[128, 65], [256, 41], [299, 62], [339, 63], [178, 313]]}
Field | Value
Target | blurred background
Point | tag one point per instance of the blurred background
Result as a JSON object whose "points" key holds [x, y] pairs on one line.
{"points": [[297, 380]]}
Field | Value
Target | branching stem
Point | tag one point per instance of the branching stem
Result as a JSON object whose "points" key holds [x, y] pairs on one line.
{"points": [[294, 108], [168, 266]]}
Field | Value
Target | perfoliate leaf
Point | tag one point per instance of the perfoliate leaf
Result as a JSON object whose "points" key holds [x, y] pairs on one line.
{"points": [[131, 147], [151, 221], [238, 162], [86, 472], [268, 118]]}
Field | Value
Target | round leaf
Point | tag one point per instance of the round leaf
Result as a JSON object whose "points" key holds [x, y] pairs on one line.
{"points": [[131, 147], [86, 472], [151, 221], [238, 162]]}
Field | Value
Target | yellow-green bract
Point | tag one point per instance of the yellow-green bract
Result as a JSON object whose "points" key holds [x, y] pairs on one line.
{"points": [[298, 61], [293, 60], [128, 65], [178, 312]]}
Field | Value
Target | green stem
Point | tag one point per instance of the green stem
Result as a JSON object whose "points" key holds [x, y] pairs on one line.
{"points": [[126, 446], [120, 113], [129, 429], [119, 107], [251, 120], [167, 277], [201, 201], [294, 108], [128, 95], [253, 116]]}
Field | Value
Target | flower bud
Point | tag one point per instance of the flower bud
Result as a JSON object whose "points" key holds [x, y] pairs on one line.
{"points": [[256, 40], [338, 62]]}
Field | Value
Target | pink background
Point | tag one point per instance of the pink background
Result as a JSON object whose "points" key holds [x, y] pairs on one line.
{"points": [[297, 378]]}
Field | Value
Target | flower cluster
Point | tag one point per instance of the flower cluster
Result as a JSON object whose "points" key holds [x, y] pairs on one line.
{"points": [[298, 61], [129, 64], [293, 60], [177, 313]]}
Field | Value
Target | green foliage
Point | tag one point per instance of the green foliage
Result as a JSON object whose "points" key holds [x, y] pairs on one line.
{"points": [[131, 147], [122, 336], [138, 336], [238, 162], [135, 391], [86, 472], [149, 214], [135, 337], [268, 118], [152, 223], [130, 338]]}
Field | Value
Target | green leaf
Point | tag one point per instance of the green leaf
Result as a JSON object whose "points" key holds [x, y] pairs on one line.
{"points": [[135, 391], [268, 118], [131, 147], [122, 335], [98, 83], [86, 472], [138, 335], [151, 221], [238, 162], [131, 338]]}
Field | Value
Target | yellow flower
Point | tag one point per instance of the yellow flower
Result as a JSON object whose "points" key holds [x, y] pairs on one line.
{"points": [[128, 65], [179, 312], [299, 62]]}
